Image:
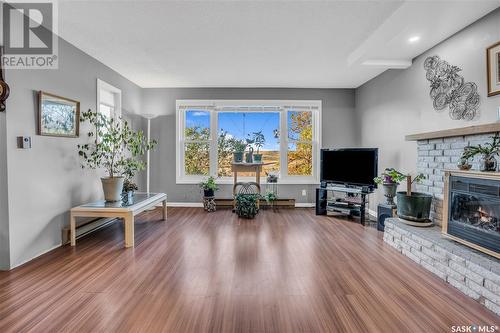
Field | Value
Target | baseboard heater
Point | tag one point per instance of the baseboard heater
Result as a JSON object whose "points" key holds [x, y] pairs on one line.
{"points": [[282, 203], [87, 227]]}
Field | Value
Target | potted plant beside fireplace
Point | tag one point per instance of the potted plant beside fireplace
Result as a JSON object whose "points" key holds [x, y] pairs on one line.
{"points": [[116, 148], [390, 180], [414, 207]]}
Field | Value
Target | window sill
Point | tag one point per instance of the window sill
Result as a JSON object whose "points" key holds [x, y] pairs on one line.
{"points": [[229, 181]]}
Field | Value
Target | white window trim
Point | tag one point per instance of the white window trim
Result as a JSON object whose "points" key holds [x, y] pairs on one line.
{"points": [[214, 106], [102, 85]]}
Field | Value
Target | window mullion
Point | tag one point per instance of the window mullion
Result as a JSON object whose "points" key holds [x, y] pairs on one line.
{"points": [[283, 144], [213, 144]]}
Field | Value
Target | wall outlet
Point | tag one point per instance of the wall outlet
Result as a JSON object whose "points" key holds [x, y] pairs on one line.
{"points": [[304, 192]]}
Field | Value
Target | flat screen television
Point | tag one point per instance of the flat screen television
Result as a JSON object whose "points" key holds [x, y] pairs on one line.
{"points": [[353, 166]]}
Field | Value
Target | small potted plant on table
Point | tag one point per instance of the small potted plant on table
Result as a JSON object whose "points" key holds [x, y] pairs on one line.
{"points": [[129, 187], [239, 147], [258, 140]]}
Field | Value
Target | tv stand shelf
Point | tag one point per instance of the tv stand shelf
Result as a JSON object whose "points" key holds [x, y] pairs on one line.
{"points": [[352, 203]]}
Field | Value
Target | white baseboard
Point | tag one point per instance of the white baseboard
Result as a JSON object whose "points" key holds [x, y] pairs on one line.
{"points": [[372, 213], [36, 256]]}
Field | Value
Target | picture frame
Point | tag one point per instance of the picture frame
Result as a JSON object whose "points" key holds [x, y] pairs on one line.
{"points": [[493, 69], [58, 116]]}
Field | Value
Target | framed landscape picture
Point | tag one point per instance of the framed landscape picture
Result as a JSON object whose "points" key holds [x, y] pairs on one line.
{"points": [[493, 69], [58, 116]]}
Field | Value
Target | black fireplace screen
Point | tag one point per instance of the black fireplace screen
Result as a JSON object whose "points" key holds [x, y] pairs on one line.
{"points": [[474, 211], [479, 212]]}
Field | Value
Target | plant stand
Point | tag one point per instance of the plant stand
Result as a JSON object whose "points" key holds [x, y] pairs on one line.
{"points": [[246, 167], [209, 204]]}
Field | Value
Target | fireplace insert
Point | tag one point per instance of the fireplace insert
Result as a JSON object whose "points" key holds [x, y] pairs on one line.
{"points": [[474, 212]]}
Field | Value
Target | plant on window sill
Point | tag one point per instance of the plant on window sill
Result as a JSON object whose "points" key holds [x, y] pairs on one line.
{"points": [[258, 141]]}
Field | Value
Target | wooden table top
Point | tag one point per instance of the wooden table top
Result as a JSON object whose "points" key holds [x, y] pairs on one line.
{"points": [[250, 164]]}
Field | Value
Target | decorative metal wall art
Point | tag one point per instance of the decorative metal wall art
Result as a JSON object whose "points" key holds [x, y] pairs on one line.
{"points": [[449, 89]]}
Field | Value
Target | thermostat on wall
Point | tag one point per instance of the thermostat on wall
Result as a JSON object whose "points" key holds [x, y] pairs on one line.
{"points": [[24, 142]]}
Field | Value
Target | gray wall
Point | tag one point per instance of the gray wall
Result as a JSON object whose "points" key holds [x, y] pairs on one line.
{"points": [[397, 102], [46, 181], [338, 131], [4, 204]]}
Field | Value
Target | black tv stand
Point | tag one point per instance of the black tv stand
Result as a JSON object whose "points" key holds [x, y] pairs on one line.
{"points": [[353, 203]]}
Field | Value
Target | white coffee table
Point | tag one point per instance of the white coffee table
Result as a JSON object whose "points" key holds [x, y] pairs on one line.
{"points": [[126, 211]]}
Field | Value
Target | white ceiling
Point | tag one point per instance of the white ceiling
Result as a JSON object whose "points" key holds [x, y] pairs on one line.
{"points": [[306, 44]]}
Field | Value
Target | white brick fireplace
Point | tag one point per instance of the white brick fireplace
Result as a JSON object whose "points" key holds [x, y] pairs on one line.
{"points": [[474, 273], [440, 154]]}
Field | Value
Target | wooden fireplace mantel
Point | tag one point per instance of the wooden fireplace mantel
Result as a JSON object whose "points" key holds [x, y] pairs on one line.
{"points": [[470, 130]]}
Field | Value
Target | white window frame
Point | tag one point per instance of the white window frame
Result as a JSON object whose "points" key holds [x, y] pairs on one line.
{"points": [[216, 106], [117, 93]]}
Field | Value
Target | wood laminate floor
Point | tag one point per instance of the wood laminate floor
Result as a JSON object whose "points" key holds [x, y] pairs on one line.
{"points": [[285, 271]]}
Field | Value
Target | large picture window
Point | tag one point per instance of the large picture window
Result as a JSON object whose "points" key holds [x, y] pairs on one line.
{"points": [[207, 131]]}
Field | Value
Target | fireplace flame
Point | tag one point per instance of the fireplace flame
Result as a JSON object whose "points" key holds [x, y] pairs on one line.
{"points": [[484, 216]]}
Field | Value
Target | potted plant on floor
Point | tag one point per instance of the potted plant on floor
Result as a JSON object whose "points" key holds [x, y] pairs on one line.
{"points": [[414, 207], [259, 140], [390, 180], [116, 148], [270, 198], [209, 187], [488, 152], [246, 205], [239, 147]]}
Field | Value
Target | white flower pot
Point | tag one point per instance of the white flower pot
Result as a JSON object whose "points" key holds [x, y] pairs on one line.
{"points": [[112, 187]]}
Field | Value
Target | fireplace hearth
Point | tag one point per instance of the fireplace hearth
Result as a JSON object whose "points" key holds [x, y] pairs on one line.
{"points": [[473, 210]]}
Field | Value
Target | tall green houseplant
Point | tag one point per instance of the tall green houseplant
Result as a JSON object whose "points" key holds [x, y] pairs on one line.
{"points": [[116, 148]]}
